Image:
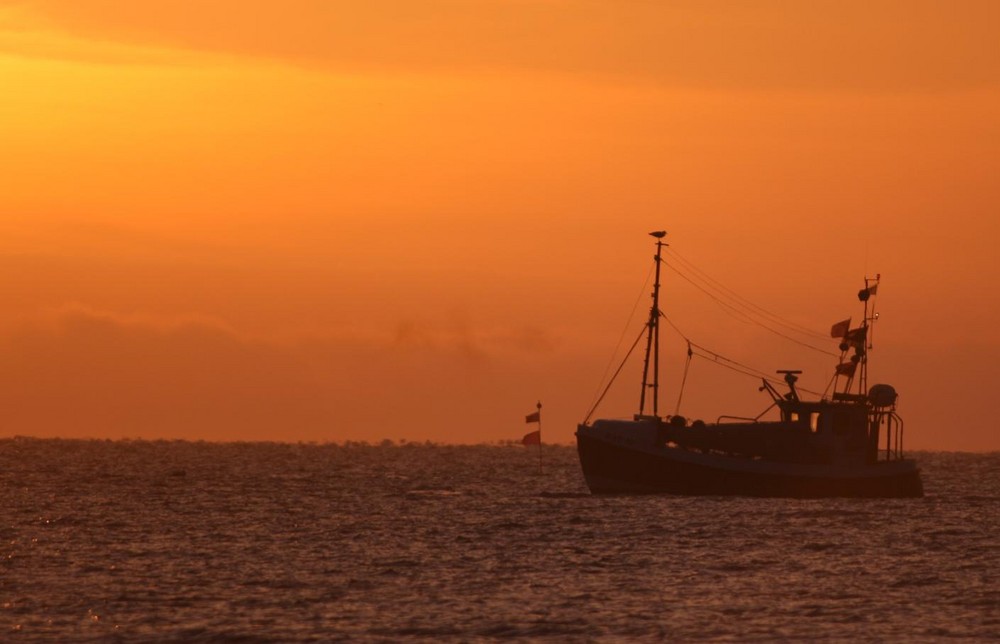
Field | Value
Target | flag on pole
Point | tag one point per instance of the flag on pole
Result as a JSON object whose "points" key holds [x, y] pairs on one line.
{"points": [[867, 292], [840, 329], [856, 337], [535, 437], [846, 369]]}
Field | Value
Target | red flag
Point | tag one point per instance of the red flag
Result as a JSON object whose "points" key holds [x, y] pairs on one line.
{"points": [[846, 369], [840, 329], [533, 418], [856, 337], [867, 292], [532, 438]]}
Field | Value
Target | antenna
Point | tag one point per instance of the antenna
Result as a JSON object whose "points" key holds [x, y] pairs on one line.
{"points": [[791, 377]]}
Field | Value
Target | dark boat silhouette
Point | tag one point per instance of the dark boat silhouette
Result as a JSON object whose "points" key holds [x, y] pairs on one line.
{"points": [[829, 447]]}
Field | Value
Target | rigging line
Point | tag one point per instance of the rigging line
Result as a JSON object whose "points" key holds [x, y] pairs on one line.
{"points": [[671, 323], [757, 322], [810, 391], [727, 308], [708, 354], [753, 373], [749, 371], [716, 358], [830, 384], [798, 328], [745, 302], [621, 337], [687, 366], [746, 312], [713, 355], [617, 371]]}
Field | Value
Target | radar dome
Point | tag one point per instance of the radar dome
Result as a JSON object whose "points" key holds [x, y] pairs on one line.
{"points": [[882, 395]]}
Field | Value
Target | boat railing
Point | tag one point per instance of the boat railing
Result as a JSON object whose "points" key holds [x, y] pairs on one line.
{"points": [[899, 434], [893, 435]]}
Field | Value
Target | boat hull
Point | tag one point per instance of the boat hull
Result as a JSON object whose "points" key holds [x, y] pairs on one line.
{"points": [[611, 467]]}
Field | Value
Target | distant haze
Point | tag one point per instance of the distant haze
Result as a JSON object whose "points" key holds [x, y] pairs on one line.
{"points": [[327, 221]]}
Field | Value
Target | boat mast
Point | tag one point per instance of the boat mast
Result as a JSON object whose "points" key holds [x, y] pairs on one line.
{"points": [[863, 379], [653, 334], [870, 316]]}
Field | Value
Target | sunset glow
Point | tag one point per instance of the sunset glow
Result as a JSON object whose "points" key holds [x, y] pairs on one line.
{"points": [[322, 221]]}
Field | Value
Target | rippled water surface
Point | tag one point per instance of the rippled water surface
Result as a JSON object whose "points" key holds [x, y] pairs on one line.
{"points": [[142, 541]]}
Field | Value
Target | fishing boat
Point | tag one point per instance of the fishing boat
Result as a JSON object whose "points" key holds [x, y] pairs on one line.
{"points": [[829, 446]]}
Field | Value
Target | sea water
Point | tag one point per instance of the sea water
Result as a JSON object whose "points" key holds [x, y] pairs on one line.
{"points": [[187, 541]]}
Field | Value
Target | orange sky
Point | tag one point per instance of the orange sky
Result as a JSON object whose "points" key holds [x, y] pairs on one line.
{"points": [[323, 220]]}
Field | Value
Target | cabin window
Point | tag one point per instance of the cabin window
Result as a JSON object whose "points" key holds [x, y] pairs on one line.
{"points": [[814, 421], [794, 416]]}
